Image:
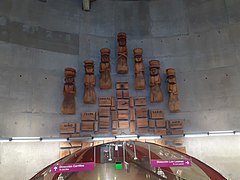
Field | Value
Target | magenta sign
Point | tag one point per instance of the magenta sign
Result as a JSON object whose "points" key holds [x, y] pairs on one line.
{"points": [[59, 168], [170, 163]]}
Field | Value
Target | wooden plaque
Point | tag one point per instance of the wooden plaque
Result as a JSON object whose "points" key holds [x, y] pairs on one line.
{"points": [[123, 104], [104, 119], [160, 131], [160, 123], [114, 124], [121, 85], [114, 115], [87, 126], [176, 124], [131, 102], [140, 101], [132, 114], [104, 125], [105, 101], [67, 128], [151, 123], [123, 114], [123, 125], [89, 116], [96, 126], [113, 102], [142, 122], [125, 94], [142, 112], [119, 94], [104, 112], [156, 114], [132, 127], [77, 128]]}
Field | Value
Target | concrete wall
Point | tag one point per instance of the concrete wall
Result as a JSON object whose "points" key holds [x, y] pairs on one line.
{"points": [[38, 40]]}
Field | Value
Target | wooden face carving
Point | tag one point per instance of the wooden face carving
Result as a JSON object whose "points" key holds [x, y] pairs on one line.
{"points": [[105, 58], [138, 58], [154, 71], [122, 42], [89, 69]]}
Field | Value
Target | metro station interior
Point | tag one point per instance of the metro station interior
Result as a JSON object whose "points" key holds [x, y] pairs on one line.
{"points": [[115, 89]]}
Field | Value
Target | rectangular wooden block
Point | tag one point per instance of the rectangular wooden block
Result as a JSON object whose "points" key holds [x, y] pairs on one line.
{"points": [[105, 101], [176, 124], [114, 115], [123, 103], [176, 132], [131, 102], [113, 102], [104, 125], [77, 128], [142, 130], [87, 126], [67, 128], [123, 114], [151, 123], [160, 131], [123, 124], [160, 123], [142, 112], [125, 93], [104, 119], [132, 114], [142, 122], [132, 126], [140, 101], [114, 124], [119, 94], [104, 112], [88, 116], [156, 114], [96, 126], [121, 85]]}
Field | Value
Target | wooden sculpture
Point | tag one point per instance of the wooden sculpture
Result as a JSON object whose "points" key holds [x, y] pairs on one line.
{"points": [[155, 82], [69, 92], [89, 83], [173, 102], [105, 69], [139, 69], [122, 66]]}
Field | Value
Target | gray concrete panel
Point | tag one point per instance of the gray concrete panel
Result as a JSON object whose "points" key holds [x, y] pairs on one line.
{"points": [[233, 10]]}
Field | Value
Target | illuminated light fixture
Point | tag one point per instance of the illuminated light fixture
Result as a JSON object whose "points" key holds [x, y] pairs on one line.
{"points": [[25, 139], [54, 139], [103, 138], [123, 137], [109, 153], [221, 133], [196, 135], [150, 137], [4, 140], [237, 132], [80, 138], [135, 152]]}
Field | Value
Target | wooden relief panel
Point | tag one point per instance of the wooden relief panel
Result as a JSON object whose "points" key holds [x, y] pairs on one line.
{"points": [[105, 70], [142, 122], [156, 114], [142, 112], [123, 125], [69, 92], [105, 101], [176, 124], [122, 66], [139, 69], [132, 114], [89, 116], [119, 94], [140, 101], [125, 94], [151, 123], [155, 82], [123, 104], [87, 126], [160, 131], [132, 127], [104, 122], [131, 102], [113, 101], [104, 111], [160, 123], [69, 128], [123, 114], [122, 85], [173, 101], [96, 126], [114, 115], [89, 83], [114, 124]]}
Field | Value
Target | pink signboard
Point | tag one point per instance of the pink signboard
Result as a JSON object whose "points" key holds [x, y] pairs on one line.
{"points": [[59, 168], [170, 163]]}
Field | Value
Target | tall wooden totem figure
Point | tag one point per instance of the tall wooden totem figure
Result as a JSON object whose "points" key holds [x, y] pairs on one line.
{"points": [[89, 83], [139, 69], [173, 102], [122, 66], [105, 69], [69, 92], [155, 82]]}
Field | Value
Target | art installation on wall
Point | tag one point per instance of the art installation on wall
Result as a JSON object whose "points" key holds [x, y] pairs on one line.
{"points": [[139, 69], [173, 102], [89, 83], [105, 69], [155, 82], [69, 92], [122, 66]]}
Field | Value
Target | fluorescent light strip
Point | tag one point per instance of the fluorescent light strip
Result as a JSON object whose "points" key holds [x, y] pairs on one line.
{"points": [[25, 138], [237, 133], [103, 138], [79, 138], [221, 134], [4, 140], [150, 137], [54, 140], [196, 135], [126, 136]]}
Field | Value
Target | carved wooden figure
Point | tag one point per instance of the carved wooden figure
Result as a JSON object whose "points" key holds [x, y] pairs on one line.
{"points": [[89, 83], [69, 92], [139, 69], [105, 69], [173, 102], [122, 66], [155, 82]]}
